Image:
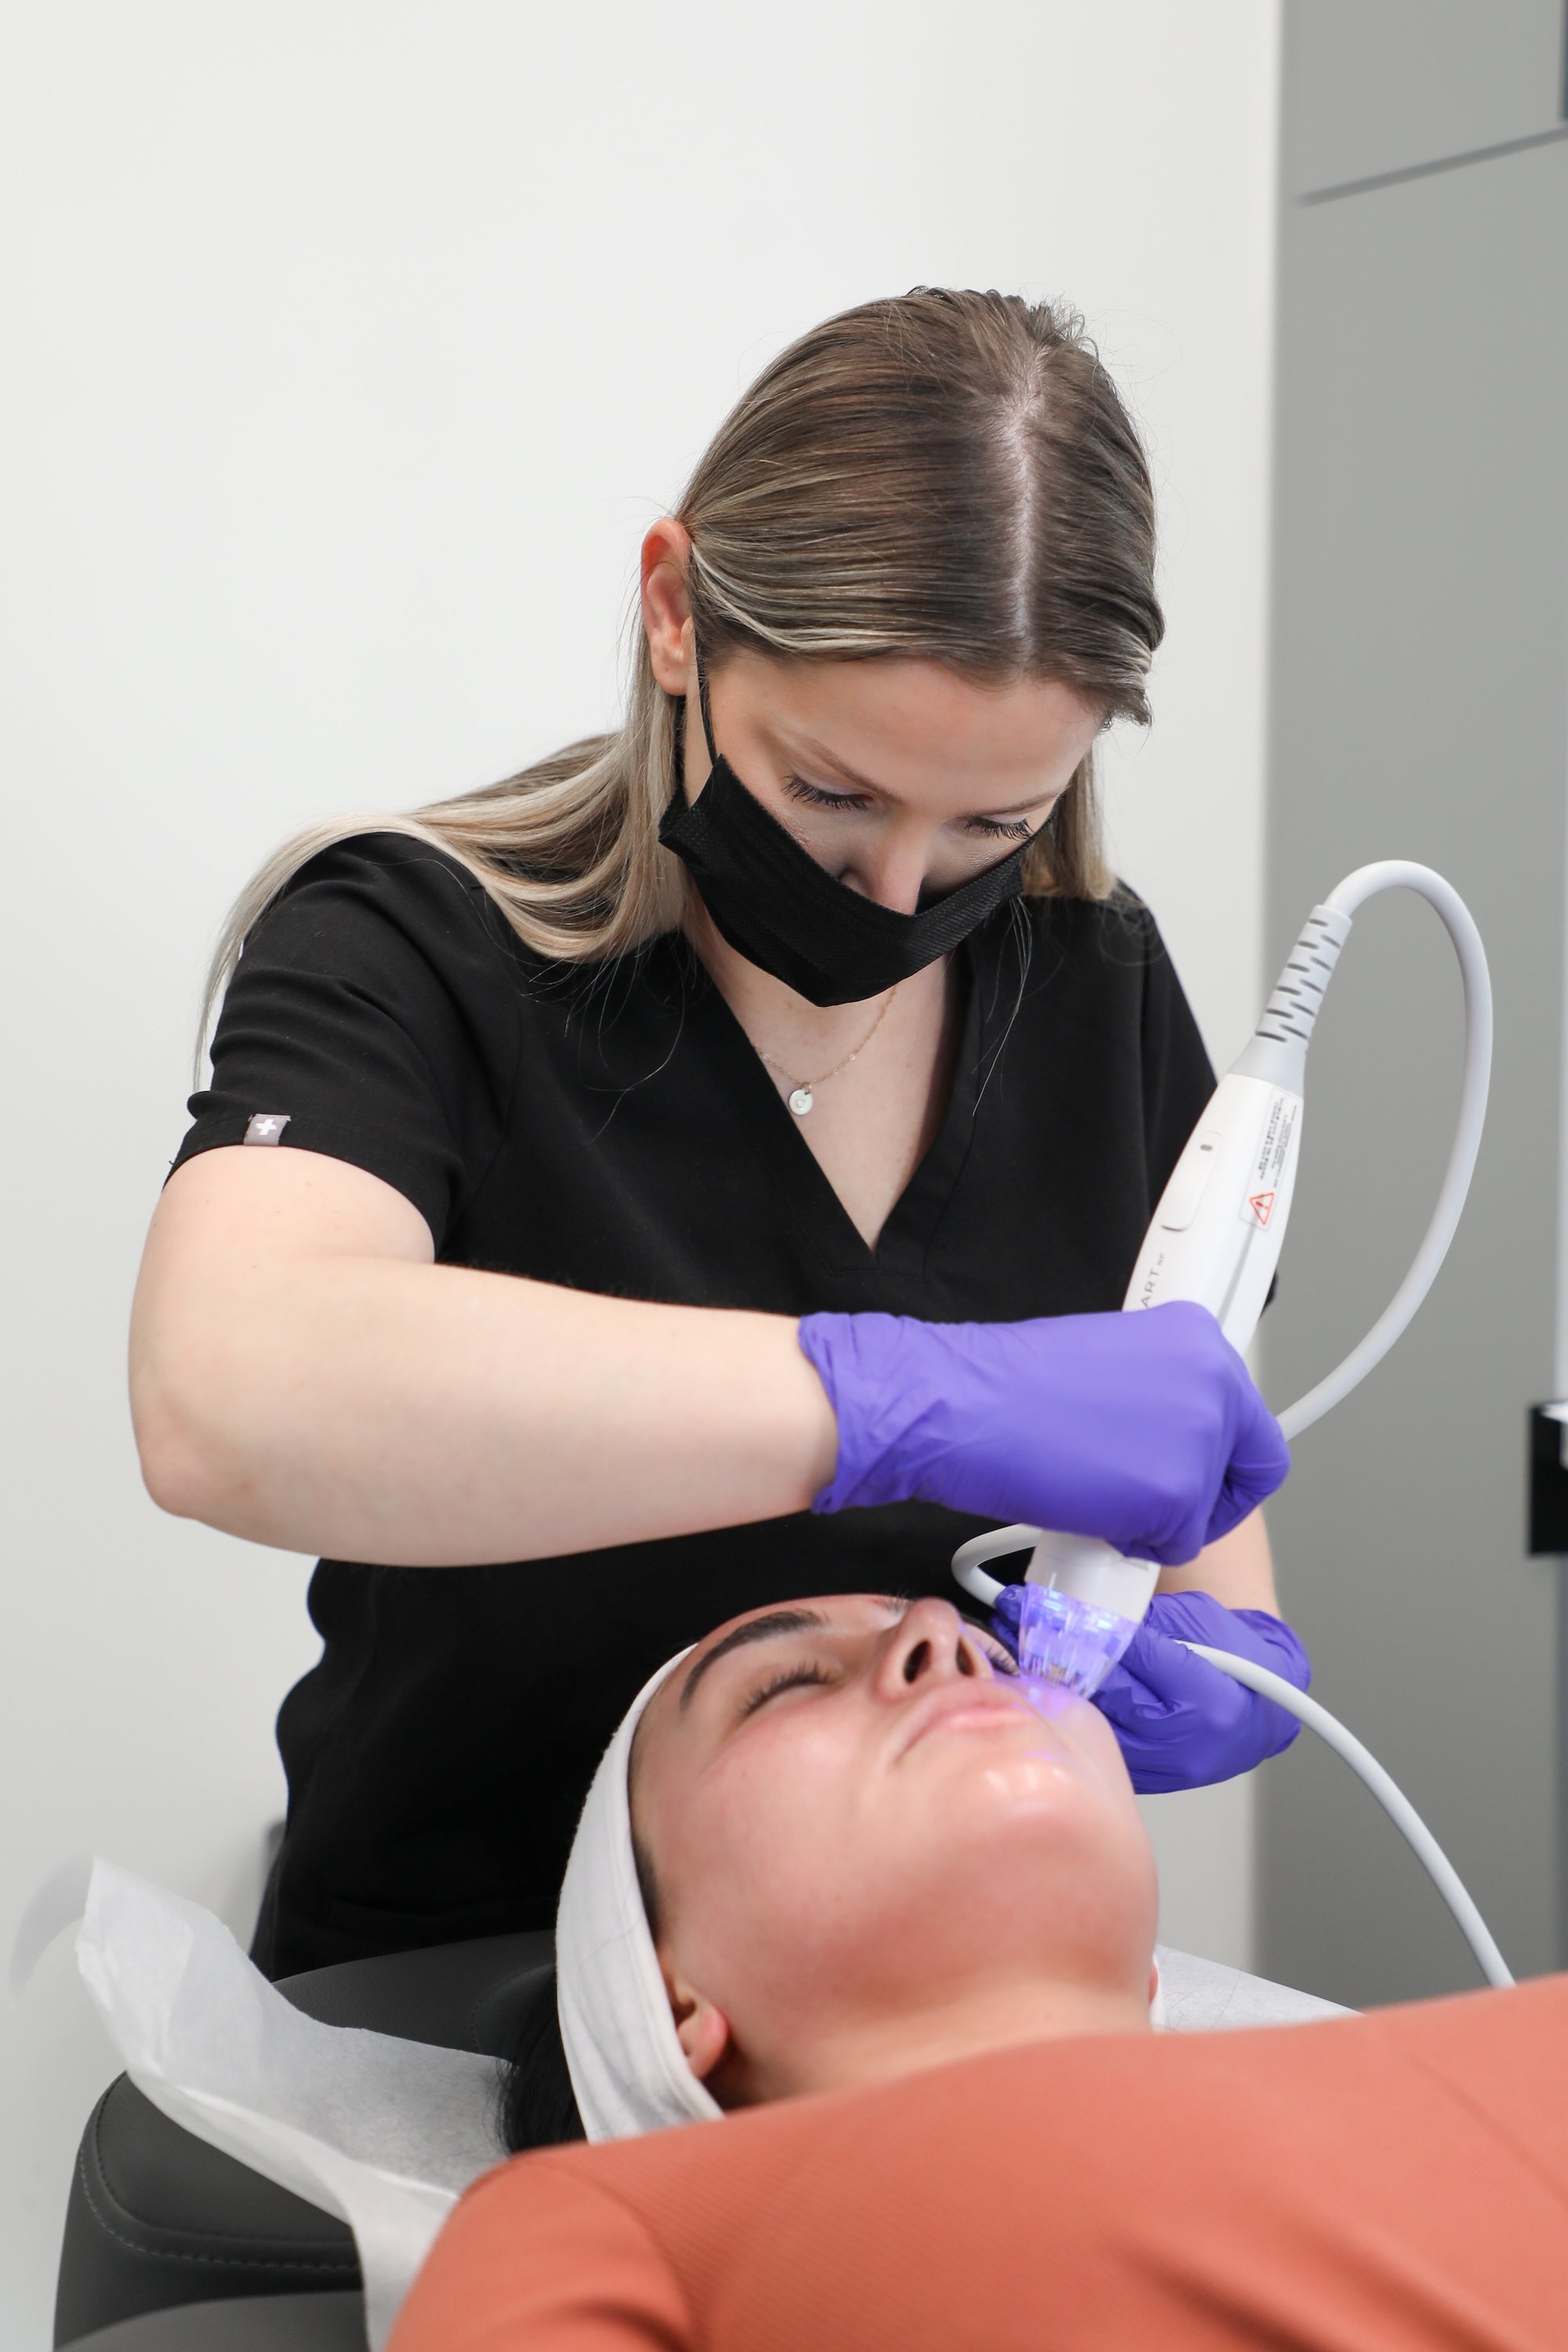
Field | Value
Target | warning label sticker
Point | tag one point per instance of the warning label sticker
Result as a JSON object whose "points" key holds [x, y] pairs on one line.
{"points": [[1270, 1159]]}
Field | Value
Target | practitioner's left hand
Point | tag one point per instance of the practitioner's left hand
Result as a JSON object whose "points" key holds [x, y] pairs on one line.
{"points": [[1181, 1723]]}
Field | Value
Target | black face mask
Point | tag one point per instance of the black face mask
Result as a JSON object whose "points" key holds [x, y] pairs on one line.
{"points": [[783, 911]]}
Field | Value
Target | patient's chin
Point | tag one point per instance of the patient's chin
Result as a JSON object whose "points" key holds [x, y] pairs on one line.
{"points": [[1027, 1786], [1033, 1810]]}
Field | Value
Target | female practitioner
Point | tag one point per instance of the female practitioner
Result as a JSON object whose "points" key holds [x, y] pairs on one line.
{"points": [[700, 1170]]}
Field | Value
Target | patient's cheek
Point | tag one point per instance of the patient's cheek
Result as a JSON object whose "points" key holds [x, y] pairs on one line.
{"points": [[756, 1843], [785, 1784], [1092, 1737]]}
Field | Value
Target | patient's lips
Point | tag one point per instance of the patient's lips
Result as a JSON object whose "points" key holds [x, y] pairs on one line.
{"points": [[965, 1707]]}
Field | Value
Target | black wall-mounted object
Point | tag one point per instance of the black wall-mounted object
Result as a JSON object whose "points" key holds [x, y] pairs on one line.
{"points": [[1548, 1485]]}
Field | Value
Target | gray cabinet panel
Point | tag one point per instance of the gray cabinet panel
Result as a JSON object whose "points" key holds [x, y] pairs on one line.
{"points": [[1375, 86], [1420, 640]]}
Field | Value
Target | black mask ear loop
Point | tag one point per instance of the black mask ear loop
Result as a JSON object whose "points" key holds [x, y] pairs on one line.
{"points": [[704, 705], [702, 702]]}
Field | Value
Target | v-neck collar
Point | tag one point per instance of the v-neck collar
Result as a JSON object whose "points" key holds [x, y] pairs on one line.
{"points": [[806, 1196]]}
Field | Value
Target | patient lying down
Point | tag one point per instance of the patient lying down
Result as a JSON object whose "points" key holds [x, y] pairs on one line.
{"points": [[866, 1851], [853, 1848], [840, 1866]]}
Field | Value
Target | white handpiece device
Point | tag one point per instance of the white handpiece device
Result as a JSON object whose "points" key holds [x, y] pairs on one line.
{"points": [[1216, 1238]]}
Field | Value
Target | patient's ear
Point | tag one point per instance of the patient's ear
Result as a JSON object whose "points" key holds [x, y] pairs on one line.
{"points": [[703, 2031]]}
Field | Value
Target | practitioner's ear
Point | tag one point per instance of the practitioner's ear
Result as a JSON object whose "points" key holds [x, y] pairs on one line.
{"points": [[703, 2031]]}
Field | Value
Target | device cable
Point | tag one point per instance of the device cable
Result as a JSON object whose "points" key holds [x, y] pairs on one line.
{"points": [[1367, 882], [1387, 1791]]}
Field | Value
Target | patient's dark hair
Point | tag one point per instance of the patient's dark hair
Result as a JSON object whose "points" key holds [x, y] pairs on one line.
{"points": [[537, 2108]]}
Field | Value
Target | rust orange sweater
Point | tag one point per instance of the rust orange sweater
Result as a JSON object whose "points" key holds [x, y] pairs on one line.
{"points": [[1392, 2183]]}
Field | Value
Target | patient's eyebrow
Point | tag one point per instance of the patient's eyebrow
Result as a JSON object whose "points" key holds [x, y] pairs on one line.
{"points": [[777, 1622], [756, 1629]]}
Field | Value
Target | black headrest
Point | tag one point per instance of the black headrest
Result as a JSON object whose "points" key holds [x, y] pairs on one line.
{"points": [[457, 1996], [157, 2219]]}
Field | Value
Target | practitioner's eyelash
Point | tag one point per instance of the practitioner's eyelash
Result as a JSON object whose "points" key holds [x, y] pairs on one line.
{"points": [[791, 1678], [997, 829], [992, 828], [814, 795]]}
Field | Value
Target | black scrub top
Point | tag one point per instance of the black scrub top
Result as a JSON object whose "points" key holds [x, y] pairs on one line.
{"points": [[610, 1127]]}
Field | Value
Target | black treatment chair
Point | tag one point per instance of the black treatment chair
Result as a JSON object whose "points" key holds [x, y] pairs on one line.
{"points": [[170, 2246], [301, 2322]]}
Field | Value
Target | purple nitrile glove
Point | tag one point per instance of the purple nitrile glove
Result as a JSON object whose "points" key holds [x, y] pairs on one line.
{"points": [[1181, 1723], [1142, 1429]]}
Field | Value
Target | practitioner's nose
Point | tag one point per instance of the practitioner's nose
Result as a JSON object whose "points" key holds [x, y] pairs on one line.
{"points": [[929, 1642]]}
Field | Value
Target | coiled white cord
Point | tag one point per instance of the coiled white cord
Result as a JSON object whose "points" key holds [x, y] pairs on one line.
{"points": [[1367, 882], [1387, 1791]]}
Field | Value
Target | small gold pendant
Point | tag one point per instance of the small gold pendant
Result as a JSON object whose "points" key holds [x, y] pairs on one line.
{"points": [[800, 1102]]}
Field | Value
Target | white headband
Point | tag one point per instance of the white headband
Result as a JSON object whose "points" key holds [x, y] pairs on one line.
{"points": [[629, 2070]]}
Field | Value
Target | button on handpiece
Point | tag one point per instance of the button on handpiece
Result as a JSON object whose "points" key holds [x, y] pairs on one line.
{"points": [[1186, 1191]]}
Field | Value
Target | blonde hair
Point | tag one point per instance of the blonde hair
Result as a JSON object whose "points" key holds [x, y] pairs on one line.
{"points": [[944, 476]]}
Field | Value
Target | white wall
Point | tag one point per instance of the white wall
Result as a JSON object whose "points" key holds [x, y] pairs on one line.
{"points": [[351, 347]]}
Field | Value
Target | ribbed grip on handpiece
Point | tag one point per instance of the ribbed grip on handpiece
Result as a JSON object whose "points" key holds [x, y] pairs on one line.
{"points": [[1277, 1049], [1293, 1008]]}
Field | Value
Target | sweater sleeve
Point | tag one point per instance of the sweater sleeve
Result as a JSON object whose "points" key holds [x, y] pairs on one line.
{"points": [[537, 2259]]}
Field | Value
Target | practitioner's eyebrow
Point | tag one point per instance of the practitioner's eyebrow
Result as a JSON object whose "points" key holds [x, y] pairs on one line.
{"points": [[769, 1628]]}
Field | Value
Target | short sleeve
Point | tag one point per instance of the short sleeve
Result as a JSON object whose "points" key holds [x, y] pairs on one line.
{"points": [[1178, 1077], [374, 1017], [537, 2259]]}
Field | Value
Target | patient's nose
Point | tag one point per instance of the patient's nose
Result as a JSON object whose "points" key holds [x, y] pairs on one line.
{"points": [[929, 1642]]}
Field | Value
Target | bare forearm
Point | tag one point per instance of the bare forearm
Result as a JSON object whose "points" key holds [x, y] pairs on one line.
{"points": [[1238, 1569], [428, 1415]]}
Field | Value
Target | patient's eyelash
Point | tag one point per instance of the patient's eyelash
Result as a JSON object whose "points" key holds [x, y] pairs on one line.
{"points": [[1000, 1657], [791, 1678]]}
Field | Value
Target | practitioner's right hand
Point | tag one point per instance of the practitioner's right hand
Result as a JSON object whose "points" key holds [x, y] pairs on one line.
{"points": [[1143, 1429]]}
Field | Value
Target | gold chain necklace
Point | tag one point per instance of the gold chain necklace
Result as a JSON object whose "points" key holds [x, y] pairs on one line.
{"points": [[802, 1092]]}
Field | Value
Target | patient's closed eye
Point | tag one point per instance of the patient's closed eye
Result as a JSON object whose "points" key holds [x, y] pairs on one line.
{"points": [[791, 1678], [997, 1654]]}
